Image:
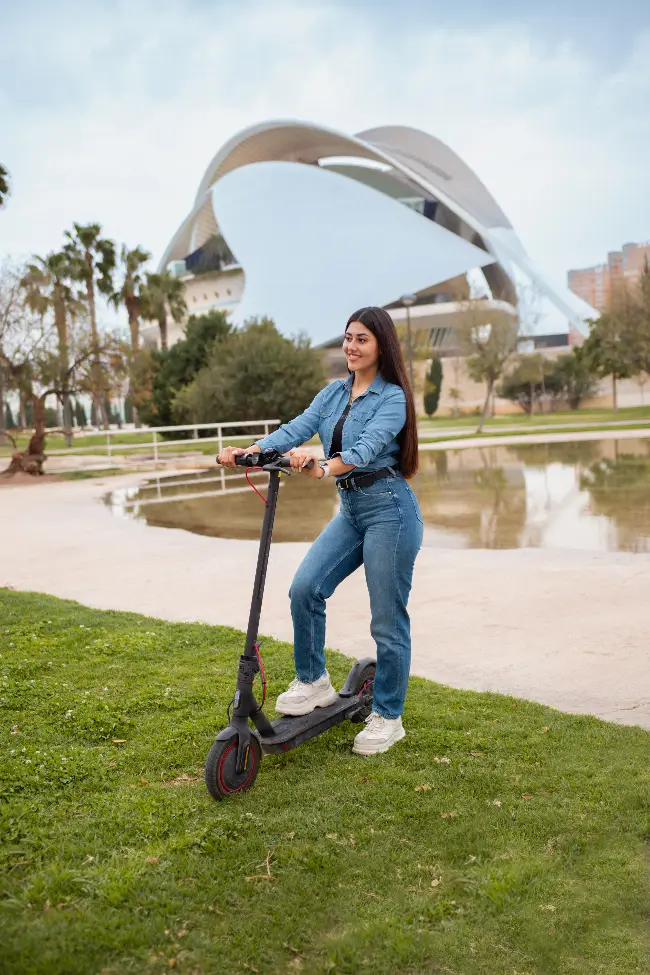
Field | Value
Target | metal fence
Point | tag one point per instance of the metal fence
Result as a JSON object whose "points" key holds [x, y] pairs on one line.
{"points": [[158, 444]]}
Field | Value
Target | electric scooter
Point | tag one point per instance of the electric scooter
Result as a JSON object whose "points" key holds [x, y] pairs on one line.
{"points": [[234, 759]]}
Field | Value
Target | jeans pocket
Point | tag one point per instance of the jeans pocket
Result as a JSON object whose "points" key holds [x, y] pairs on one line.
{"points": [[379, 489], [415, 503]]}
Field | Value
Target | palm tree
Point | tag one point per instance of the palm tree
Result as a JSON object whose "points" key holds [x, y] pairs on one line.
{"points": [[129, 293], [163, 296], [4, 185], [48, 289], [92, 261]]}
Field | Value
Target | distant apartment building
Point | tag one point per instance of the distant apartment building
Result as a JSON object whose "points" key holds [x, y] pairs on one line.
{"points": [[596, 284]]}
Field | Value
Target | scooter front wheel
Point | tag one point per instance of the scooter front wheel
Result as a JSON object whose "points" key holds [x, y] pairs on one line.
{"points": [[221, 776]]}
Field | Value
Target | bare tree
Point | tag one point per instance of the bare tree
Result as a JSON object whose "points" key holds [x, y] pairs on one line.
{"points": [[487, 337]]}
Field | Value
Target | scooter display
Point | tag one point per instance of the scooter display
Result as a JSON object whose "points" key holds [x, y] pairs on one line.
{"points": [[234, 760]]}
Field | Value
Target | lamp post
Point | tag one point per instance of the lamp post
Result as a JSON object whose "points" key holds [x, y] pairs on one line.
{"points": [[407, 301]]}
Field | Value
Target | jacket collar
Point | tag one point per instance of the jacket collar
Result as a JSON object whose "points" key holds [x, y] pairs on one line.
{"points": [[375, 386]]}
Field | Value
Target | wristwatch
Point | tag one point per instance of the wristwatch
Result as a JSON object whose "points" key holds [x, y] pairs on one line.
{"points": [[325, 468]]}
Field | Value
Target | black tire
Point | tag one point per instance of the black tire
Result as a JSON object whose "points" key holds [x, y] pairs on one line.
{"points": [[365, 680], [220, 776]]}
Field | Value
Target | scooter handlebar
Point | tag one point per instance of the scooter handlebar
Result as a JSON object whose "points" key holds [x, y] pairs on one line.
{"points": [[265, 457]]}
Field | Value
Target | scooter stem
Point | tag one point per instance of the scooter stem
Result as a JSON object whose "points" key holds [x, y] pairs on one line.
{"points": [[262, 563]]}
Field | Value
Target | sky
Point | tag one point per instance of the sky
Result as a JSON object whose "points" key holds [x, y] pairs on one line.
{"points": [[110, 112]]}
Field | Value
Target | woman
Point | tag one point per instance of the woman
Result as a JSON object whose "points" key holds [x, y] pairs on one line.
{"points": [[367, 426]]}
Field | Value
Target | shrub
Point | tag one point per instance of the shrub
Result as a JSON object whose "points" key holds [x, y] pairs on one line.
{"points": [[254, 373]]}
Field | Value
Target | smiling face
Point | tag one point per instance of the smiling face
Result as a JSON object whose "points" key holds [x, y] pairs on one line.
{"points": [[361, 347]]}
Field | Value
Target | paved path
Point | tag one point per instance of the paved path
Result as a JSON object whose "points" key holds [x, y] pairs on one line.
{"points": [[567, 629]]}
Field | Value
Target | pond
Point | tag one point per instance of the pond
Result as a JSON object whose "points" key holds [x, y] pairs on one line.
{"points": [[589, 495]]}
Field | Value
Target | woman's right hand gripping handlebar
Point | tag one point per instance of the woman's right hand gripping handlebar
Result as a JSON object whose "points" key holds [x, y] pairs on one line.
{"points": [[227, 456]]}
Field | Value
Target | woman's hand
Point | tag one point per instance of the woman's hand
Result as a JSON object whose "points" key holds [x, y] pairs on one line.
{"points": [[227, 456], [299, 458]]}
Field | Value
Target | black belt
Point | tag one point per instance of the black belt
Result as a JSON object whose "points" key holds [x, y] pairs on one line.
{"points": [[364, 480]]}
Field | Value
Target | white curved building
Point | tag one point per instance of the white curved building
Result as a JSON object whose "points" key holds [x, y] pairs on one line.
{"points": [[305, 224]]}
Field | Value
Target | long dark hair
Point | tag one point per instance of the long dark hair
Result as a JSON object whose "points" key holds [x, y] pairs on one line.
{"points": [[393, 369]]}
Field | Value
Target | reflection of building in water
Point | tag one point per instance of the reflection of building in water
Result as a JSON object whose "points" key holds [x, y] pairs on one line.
{"points": [[477, 498]]}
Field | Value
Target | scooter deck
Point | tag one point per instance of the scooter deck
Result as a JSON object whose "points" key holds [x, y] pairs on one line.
{"points": [[291, 731]]}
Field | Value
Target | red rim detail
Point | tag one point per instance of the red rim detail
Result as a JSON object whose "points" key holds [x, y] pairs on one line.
{"points": [[221, 765]]}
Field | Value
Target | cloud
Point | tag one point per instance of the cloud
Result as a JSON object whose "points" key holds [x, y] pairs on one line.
{"points": [[112, 114]]}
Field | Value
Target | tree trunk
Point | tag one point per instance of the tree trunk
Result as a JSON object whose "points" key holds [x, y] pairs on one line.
{"points": [[134, 327], [62, 332], [31, 461], [98, 392], [23, 410], [162, 325], [614, 396], [3, 433], [486, 405]]}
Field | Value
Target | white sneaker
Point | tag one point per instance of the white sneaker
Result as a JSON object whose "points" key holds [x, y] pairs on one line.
{"points": [[378, 735], [302, 698]]}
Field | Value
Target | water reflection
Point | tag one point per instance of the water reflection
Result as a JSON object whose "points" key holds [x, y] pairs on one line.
{"points": [[592, 495]]}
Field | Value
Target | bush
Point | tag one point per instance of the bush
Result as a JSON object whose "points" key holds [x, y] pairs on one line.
{"points": [[526, 383], [253, 374], [175, 368], [535, 378], [574, 376], [433, 387]]}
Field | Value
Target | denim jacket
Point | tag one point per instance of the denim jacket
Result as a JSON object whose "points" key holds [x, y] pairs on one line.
{"points": [[370, 431]]}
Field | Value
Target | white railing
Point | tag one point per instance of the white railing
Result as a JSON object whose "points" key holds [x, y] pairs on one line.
{"points": [[128, 499], [158, 444]]}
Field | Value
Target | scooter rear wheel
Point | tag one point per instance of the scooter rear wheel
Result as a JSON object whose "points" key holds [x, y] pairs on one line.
{"points": [[365, 682], [221, 777]]}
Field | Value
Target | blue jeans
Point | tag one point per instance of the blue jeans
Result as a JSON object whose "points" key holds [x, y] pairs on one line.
{"points": [[379, 527]]}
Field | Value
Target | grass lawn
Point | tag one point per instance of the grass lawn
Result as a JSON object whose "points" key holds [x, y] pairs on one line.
{"points": [[523, 420], [500, 838]]}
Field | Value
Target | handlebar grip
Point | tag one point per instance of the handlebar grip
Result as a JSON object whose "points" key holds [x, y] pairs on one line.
{"points": [[258, 460], [246, 460], [285, 462]]}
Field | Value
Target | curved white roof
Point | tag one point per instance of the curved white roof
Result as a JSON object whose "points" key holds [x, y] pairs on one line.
{"points": [[414, 157]]}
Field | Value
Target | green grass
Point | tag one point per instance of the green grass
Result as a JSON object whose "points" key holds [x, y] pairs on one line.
{"points": [[490, 432], [500, 838], [523, 420]]}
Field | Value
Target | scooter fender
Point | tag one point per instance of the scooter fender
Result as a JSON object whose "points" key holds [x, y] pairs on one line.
{"points": [[353, 676], [243, 736]]}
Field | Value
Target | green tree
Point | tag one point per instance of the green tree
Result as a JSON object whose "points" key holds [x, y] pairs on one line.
{"points": [[92, 262], [10, 423], [641, 312], [614, 343], [433, 386], [161, 298], [80, 414], [175, 368], [488, 339], [128, 293], [4, 186], [574, 378], [526, 383], [49, 289], [254, 373]]}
